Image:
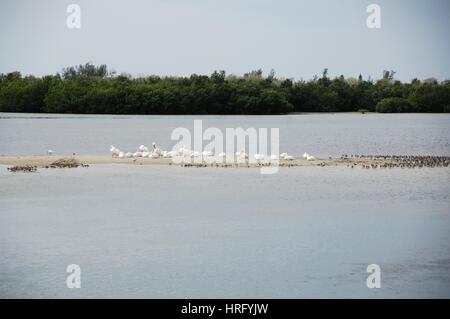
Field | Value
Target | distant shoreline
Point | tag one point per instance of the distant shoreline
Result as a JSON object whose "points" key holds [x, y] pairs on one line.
{"points": [[234, 115], [90, 89]]}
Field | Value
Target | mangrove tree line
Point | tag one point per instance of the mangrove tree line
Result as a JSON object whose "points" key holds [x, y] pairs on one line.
{"points": [[93, 89]]}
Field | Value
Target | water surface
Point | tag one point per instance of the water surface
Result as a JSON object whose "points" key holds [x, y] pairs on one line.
{"points": [[318, 134], [173, 232]]}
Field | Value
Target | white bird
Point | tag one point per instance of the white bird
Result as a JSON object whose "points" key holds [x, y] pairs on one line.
{"points": [[50, 152], [242, 155], [207, 153], [259, 157], [156, 148], [310, 158], [129, 155], [121, 155], [195, 154], [145, 154], [169, 154], [286, 156], [183, 151], [220, 158], [154, 155], [114, 151], [305, 155], [143, 148]]}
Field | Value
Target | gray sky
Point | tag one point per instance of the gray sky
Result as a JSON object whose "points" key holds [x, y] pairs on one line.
{"points": [[178, 37]]}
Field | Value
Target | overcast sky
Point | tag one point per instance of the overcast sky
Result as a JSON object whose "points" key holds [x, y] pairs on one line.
{"points": [[297, 38]]}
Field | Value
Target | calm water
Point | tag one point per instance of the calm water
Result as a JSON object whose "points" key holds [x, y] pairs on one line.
{"points": [[173, 232], [322, 134], [144, 231]]}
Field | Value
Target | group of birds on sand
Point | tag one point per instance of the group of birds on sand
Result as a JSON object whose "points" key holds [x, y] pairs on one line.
{"points": [[143, 151], [308, 157], [156, 152], [394, 161]]}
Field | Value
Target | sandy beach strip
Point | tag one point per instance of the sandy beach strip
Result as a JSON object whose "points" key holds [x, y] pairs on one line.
{"points": [[43, 161]]}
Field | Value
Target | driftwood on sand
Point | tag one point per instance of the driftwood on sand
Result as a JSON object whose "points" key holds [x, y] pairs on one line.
{"points": [[66, 163], [32, 165]]}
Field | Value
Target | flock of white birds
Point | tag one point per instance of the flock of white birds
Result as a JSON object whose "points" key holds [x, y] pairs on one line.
{"points": [[156, 152]]}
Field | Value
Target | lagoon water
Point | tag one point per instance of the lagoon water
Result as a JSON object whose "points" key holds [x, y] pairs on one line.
{"points": [[174, 232], [319, 134]]}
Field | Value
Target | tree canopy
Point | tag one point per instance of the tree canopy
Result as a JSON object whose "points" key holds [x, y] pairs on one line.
{"points": [[93, 89]]}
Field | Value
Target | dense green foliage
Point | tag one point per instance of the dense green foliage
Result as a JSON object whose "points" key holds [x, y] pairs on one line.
{"points": [[91, 89]]}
